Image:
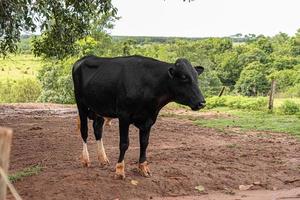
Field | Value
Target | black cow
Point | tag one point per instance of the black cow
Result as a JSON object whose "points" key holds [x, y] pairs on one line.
{"points": [[132, 89]]}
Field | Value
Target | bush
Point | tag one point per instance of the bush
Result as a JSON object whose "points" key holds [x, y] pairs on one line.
{"points": [[293, 91], [238, 102], [289, 108], [19, 90], [57, 82], [253, 81], [214, 102], [249, 103]]}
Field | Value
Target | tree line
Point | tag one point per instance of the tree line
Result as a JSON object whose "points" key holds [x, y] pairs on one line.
{"points": [[244, 68]]}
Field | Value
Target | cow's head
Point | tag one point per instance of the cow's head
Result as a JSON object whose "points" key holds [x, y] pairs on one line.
{"points": [[184, 84]]}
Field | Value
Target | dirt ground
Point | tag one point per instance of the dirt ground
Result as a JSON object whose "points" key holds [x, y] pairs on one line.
{"points": [[181, 155]]}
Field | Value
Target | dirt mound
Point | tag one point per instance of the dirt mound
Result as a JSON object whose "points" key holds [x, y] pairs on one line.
{"points": [[181, 155]]}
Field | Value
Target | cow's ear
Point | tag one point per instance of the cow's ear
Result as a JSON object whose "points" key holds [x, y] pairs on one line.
{"points": [[199, 69], [171, 72]]}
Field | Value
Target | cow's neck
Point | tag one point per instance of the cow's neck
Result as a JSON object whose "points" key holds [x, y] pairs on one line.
{"points": [[163, 100], [164, 95]]}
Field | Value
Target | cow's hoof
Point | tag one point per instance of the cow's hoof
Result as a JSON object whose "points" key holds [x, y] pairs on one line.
{"points": [[144, 169], [119, 176], [85, 161], [120, 171], [104, 162]]}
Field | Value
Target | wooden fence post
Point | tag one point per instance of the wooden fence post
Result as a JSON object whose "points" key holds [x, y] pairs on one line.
{"points": [[221, 92], [5, 143], [272, 93]]}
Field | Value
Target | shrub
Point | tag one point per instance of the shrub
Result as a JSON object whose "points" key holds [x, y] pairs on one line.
{"points": [[57, 82], [5, 90], [19, 90], [238, 102], [294, 91], [249, 103], [214, 102], [289, 108]]}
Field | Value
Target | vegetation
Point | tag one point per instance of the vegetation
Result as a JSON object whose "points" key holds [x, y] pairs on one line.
{"points": [[254, 121], [18, 82], [289, 108], [243, 68], [28, 171], [62, 23], [19, 90], [238, 102], [20, 66]]}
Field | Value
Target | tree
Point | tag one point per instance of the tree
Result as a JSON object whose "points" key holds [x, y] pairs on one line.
{"points": [[253, 80], [228, 69], [61, 23], [296, 43]]}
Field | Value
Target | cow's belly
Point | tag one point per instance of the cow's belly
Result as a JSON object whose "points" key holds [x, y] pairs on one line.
{"points": [[102, 103]]}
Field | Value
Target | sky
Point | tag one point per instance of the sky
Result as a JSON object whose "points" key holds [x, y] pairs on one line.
{"points": [[206, 18]]}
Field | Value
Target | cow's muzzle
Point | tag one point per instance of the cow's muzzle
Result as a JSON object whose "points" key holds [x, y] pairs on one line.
{"points": [[198, 106]]}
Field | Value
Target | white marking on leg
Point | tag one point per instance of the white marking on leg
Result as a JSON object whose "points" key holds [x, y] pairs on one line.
{"points": [[101, 153], [107, 121], [85, 155]]}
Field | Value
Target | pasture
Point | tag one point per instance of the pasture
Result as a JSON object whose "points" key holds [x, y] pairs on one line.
{"points": [[19, 66]]}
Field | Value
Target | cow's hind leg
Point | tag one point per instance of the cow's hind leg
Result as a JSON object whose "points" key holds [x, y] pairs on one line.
{"points": [[143, 167], [83, 114], [123, 145], [98, 130]]}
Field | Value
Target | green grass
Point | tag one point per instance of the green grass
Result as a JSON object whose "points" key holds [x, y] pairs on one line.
{"points": [[28, 171], [254, 120], [19, 66]]}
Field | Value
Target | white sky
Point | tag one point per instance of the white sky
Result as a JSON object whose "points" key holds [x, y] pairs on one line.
{"points": [[202, 18]]}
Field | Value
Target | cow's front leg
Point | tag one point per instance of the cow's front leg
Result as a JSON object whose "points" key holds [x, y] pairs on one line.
{"points": [[143, 167], [124, 143]]}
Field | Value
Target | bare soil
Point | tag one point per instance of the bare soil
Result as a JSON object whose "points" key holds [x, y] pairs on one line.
{"points": [[181, 155]]}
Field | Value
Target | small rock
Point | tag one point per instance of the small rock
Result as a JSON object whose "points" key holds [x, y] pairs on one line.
{"points": [[245, 187], [257, 183], [134, 182], [200, 188]]}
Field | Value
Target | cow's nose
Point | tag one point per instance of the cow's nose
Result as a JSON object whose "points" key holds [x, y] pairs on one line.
{"points": [[201, 104]]}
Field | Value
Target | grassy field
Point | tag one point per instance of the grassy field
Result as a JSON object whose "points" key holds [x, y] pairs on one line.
{"points": [[244, 120], [19, 66], [254, 121]]}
